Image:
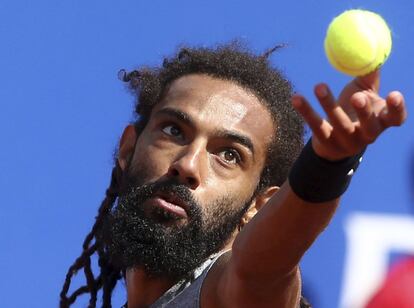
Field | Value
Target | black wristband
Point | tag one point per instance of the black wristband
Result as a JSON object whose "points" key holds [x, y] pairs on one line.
{"points": [[315, 179]]}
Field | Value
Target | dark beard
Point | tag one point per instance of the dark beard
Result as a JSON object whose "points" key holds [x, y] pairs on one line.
{"points": [[157, 242]]}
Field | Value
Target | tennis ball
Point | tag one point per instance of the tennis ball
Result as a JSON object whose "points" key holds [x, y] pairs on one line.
{"points": [[357, 42]]}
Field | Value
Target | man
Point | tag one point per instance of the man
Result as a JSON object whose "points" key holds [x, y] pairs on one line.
{"points": [[200, 212]]}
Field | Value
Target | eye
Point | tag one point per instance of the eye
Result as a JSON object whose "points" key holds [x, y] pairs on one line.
{"points": [[172, 130], [230, 156]]}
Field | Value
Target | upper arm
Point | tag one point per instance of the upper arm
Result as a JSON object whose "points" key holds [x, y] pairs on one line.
{"points": [[262, 269]]}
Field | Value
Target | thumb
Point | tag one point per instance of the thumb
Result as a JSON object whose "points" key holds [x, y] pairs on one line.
{"points": [[370, 81]]}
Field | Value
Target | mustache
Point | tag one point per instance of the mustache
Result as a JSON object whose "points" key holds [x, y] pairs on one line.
{"points": [[170, 186]]}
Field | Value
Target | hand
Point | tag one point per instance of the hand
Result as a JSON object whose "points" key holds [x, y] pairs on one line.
{"points": [[358, 117]]}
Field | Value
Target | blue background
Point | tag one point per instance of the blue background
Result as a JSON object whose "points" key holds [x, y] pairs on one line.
{"points": [[63, 109]]}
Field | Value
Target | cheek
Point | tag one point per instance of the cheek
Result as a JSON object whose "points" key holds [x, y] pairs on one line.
{"points": [[226, 197], [150, 160]]}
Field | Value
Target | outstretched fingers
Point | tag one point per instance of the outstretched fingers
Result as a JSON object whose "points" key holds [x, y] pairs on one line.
{"points": [[344, 125], [321, 128], [395, 113], [336, 115], [350, 124], [369, 127]]}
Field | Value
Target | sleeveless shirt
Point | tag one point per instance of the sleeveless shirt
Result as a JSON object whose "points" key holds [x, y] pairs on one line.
{"points": [[186, 293]]}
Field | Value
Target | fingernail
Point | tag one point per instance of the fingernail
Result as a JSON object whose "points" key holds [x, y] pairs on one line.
{"points": [[322, 91], [296, 101], [395, 103], [360, 103]]}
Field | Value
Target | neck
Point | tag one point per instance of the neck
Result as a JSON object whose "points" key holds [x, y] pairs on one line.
{"points": [[143, 290]]}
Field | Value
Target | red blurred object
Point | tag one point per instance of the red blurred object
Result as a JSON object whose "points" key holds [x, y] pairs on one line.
{"points": [[398, 287]]}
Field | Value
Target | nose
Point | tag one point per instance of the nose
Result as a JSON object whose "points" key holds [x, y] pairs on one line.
{"points": [[187, 166]]}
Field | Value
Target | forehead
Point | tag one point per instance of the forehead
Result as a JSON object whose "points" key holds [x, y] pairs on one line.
{"points": [[214, 103]]}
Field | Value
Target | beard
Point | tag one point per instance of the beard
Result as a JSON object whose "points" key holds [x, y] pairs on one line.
{"points": [[160, 242]]}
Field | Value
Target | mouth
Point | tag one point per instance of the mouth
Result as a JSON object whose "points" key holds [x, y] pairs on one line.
{"points": [[169, 206]]}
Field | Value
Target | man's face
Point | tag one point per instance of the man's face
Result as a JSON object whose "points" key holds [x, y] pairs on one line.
{"points": [[192, 175]]}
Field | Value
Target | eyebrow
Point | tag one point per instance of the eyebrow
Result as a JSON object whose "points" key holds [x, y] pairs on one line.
{"points": [[221, 133], [236, 137], [182, 116]]}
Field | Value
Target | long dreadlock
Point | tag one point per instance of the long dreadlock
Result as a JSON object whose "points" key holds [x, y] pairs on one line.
{"points": [[109, 275]]}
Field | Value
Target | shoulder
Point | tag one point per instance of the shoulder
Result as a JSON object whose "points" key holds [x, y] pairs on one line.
{"points": [[223, 287]]}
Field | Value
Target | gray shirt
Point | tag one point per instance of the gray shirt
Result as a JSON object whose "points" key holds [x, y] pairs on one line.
{"points": [[186, 293]]}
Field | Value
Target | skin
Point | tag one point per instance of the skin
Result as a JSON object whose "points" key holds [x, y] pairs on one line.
{"points": [[261, 270]]}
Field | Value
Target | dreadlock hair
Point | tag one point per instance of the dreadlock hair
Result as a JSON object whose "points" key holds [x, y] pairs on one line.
{"points": [[109, 275], [230, 62]]}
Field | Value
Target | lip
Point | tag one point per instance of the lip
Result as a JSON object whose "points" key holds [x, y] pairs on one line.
{"points": [[171, 204]]}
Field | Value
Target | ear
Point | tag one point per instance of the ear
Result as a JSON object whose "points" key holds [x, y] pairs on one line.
{"points": [[258, 202], [127, 146]]}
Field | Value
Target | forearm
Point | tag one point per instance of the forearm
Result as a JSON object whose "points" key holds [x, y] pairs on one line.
{"points": [[289, 223]]}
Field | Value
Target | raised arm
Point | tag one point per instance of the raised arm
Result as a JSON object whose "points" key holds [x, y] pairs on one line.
{"points": [[263, 268]]}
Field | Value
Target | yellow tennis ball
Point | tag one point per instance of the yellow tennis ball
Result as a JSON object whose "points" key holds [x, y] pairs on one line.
{"points": [[357, 42]]}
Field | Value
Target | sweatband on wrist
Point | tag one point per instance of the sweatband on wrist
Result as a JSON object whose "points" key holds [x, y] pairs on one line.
{"points": [[315, 179]]}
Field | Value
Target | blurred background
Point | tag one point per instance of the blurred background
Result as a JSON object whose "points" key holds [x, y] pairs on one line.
{"points": [[63, 110]]}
